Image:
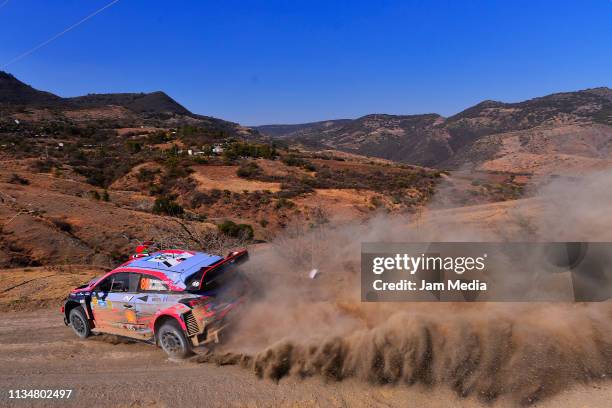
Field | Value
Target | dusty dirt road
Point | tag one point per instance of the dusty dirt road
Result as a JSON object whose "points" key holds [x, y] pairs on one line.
{"points": [[38, 352]]}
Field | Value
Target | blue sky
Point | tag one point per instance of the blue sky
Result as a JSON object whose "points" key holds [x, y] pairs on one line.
{"points": [[258, 62]]}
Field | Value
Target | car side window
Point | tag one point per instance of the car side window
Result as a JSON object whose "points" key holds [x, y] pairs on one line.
{"points": [[151, 284], [120, 282], [134, 280]]}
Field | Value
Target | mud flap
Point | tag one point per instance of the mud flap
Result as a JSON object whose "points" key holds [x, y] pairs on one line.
{"points": [[212, 336]]}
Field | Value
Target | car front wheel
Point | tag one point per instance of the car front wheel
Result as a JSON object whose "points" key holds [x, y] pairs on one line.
{"points": [[173, 341], [79, 322]]}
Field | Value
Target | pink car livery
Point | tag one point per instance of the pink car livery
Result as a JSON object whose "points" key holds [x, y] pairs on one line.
{"points": [[177, 299]]}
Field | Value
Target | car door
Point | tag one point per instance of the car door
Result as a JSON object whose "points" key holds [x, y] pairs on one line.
{"points": [[153, 295], [110, 303]]}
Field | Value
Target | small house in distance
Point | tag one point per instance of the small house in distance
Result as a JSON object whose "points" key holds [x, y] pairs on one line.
{"points": [[217, 149]]}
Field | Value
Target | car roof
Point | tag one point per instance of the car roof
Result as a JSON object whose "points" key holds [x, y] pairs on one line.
{"points": [[178, 265]]}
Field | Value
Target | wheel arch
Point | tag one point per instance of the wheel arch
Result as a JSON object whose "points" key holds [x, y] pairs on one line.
{"points": [[163, 318], [71, 304]]}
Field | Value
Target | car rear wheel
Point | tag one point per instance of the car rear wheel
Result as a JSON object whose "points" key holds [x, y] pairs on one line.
{"points": [[173, 341], [79, 322]]}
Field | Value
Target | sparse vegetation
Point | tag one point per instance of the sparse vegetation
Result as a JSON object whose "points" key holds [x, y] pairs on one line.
{"points": [[133, 146], [249, 170], [232, 229], [145, 174], [295, 160], [62, 224], [239, 150], [284, 203], [17, 179], [296, 188], [167, 206]]}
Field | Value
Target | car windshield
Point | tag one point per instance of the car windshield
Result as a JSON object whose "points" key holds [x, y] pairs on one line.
{"points": [[96, 279]]}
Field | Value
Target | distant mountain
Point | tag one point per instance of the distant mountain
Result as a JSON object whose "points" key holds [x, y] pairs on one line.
{"points": [[286, 131], [123, 109], [472, 136], [13, 91], [155, 102], [405, 138]]}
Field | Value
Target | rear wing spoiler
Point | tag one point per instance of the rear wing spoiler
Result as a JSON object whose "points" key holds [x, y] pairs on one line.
{"points": [[235, 257]]}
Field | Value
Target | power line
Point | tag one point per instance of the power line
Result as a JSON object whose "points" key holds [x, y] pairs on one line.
{"points": [[58, 35]]}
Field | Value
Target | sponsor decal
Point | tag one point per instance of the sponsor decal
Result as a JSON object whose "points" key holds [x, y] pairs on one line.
{"points": [[170, 260], [130, 315]]}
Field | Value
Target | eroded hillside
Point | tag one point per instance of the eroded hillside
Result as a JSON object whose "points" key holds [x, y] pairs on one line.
{"points": [[577, 124]]}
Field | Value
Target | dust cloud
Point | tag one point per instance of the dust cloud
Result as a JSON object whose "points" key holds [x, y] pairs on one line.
{"points": [[297, 326]]}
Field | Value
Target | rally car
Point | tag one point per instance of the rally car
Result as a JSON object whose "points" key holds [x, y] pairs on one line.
{"points": [[177, 299]]}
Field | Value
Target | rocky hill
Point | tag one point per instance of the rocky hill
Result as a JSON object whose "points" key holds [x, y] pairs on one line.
{"points": [[154, 102], [562, 123], [289, 131], [13, 91], [24, 103]]}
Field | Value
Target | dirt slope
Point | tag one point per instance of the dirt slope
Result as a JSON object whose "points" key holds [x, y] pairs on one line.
{"points": [[57, 221], [24, 289]]}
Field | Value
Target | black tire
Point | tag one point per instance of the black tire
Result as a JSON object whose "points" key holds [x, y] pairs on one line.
{"points": [[172, 340], [79, 322]]}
